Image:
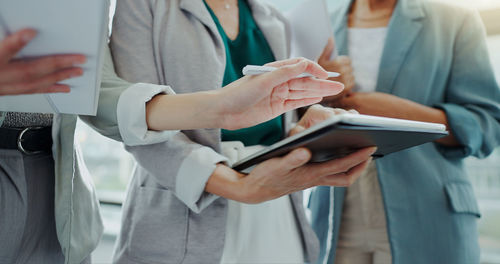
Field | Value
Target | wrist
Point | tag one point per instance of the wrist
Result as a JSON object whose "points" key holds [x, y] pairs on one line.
{"points": [[227, 183], [214, 107]]}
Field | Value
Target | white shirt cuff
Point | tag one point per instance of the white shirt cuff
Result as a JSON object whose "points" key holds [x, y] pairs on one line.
{"points": [[193, 175], [131, 112]]}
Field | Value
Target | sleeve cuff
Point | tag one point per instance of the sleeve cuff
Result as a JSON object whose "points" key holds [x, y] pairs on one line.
{"points": [[193, 175], [465, 129], [131, 114]]}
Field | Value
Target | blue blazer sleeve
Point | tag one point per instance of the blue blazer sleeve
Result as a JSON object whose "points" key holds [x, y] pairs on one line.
{"points": [[472, 101]]}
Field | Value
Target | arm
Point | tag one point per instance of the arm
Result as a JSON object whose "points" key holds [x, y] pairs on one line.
{"points": [[471, 110], [387, 105], [281, 176], [472, 103]]}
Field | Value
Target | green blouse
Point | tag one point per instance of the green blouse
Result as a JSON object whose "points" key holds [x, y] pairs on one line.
{"points": [[249, 47]]}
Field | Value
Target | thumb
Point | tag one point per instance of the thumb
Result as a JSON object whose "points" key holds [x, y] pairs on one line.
{"points": [[296, 158], [327, 51]]}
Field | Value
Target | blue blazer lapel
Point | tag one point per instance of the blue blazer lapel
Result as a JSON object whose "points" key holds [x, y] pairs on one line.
{"points": [[404, 27], [339, 22]]}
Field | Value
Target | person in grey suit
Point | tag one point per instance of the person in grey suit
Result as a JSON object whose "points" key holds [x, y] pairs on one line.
{"points": [[49, 211], [185, 204]]}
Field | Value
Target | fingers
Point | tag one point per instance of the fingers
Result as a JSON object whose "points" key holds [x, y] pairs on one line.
{"points": [[310, 84], [286, 62], [46, 84], [295, 159], [287, 72], [294, 104], [347, 178], [327, 51], [35, 69], [346, 163], [14, 43]]}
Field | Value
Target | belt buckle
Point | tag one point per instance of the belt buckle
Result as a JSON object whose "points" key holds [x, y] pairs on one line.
{"points": [[20, 141]]}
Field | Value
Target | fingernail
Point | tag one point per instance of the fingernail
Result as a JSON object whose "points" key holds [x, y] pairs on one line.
{"points": [[28, 36], [79, 60], [77, 73], [303, 154]]}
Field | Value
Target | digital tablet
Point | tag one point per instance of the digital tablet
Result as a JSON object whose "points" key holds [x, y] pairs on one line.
{"points": [[346, 133]]}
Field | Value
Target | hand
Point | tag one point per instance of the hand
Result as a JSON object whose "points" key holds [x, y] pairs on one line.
{"points": [[387, 105], [377, 104], [281, 176], [253, 100], [340, 64], [316, 114], [40, 75]]}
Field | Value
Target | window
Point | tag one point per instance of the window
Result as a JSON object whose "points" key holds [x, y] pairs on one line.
{"points": [[111, 166]]}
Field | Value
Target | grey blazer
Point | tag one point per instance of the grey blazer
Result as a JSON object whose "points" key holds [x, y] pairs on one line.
{"points": [[168, 218]]}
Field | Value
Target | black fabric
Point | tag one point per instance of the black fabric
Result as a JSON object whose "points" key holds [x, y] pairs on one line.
{"points": [[39, 139]]}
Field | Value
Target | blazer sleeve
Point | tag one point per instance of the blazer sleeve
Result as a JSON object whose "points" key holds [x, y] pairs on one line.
{"points": [[472, 102], [121, 112], [179, 164]]}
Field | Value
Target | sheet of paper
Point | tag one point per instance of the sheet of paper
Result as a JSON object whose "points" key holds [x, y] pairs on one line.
{"points": [[64, 27], [311, 28]]}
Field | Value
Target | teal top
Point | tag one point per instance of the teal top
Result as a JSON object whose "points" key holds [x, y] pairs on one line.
{"points": [[249, 47]]}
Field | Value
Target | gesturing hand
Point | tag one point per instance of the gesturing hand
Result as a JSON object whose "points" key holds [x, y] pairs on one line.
{"points": [[40, 75], [340, 64], [317, 114], [253, 100]]}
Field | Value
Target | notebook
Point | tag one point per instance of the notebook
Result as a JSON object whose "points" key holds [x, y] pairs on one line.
{"points": [[64, 27]]}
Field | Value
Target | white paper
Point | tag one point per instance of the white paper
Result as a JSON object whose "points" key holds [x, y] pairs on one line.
{"points": [[64, 27], [311, 29]]}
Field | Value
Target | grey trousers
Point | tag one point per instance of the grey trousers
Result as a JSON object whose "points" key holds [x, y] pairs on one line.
{"points": [[27, 219]]}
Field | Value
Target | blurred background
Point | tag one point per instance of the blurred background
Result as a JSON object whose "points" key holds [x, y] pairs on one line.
{"points": [[111, 166]]}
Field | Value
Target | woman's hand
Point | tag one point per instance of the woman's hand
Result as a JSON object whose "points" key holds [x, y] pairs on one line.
{"points": [[281, 176], [40, 75], [316, 114], [340, 64], [246, 102], [378, 104], [253, 100], [388, 105]]}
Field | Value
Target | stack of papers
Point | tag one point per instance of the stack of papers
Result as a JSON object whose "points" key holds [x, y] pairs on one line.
{"points": [[311, 27], [64, 27]]}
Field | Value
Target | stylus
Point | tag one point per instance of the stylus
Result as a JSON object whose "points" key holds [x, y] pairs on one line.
{"points": [[256, 70]]}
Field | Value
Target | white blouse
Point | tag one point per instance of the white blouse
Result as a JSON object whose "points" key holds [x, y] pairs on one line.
{"points": [[366, 46]]}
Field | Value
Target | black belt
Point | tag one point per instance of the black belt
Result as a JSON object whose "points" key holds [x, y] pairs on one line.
{"points": [[29, 140]]}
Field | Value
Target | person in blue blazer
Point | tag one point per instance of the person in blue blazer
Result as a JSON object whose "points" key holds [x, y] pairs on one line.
{"points": [[419, 60]]}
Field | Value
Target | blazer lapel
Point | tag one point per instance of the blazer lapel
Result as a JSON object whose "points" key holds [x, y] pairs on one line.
{"points": [[199, 11], [339, 20], [404, 28]]}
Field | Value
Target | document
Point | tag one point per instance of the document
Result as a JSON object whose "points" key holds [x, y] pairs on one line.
{"points": [[64, 27], [311, 28], [344, 134]]}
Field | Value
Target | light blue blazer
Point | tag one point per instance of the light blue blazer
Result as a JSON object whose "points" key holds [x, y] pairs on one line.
{"points": [[436, 55]]}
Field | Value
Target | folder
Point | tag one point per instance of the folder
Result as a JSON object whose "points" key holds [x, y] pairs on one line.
{"points": [[64, 27], [346, 133]]}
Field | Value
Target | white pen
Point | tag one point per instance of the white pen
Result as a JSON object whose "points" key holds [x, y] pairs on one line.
{"points": [[256, 70]]}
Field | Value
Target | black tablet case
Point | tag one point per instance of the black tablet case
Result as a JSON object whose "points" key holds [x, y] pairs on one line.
{"points": [[339, 140]]}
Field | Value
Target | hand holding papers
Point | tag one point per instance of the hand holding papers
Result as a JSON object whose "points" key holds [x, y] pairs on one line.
{"points": [[41, 75], [64, 27]]}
